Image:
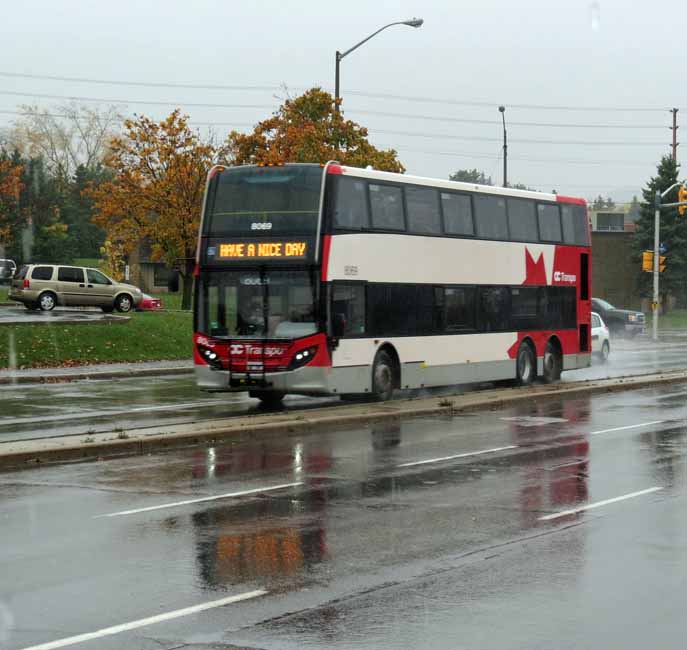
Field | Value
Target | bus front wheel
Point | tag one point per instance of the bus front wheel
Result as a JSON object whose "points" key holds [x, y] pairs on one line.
{"points": [[383, 377]]}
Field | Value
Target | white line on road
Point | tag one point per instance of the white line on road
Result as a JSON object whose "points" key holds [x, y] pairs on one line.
{"points": [[465, 455], [133, 625], [598, 504], [216, 497], [631, 426]]}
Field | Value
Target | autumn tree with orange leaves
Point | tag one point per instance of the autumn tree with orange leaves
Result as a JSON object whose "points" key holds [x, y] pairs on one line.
{"points": [[156, 195], [308, 129], [10, 187]]}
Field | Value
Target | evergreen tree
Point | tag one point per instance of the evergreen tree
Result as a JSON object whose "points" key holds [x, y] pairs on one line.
{"points": [[84, 238], [673, 234]]}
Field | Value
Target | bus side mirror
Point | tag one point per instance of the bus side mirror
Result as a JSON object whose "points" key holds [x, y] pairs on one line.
{"points": [[339, 325], [173, 281]]}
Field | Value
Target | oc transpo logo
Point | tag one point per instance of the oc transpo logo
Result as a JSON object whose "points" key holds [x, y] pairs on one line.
{"points": [[255, 350], [558, 276]]}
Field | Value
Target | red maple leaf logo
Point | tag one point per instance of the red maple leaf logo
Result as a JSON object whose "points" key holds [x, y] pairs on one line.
{"points": [[535, 272]]}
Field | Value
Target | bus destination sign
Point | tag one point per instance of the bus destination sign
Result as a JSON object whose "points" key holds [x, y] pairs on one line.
{"points": [[259, 250]]}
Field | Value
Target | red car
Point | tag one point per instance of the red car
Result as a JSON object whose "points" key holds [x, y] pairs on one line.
{"points": [[148, 303]]}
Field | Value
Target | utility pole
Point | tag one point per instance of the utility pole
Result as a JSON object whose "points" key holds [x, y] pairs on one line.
{"points": [[502, 110], [674, 129]]}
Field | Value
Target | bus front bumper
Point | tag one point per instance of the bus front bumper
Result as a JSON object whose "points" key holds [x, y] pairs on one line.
{"points": [[304, 381]]}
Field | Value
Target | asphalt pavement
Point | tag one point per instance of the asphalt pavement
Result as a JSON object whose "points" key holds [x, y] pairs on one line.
{"points": [[129, 401], [557, 524]]}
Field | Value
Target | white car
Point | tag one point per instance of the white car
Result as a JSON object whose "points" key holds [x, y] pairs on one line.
{"points": [[600, 339]]}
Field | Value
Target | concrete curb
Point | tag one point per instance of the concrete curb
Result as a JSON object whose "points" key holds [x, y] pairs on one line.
{"points": [[94, 374], [23, 454]]}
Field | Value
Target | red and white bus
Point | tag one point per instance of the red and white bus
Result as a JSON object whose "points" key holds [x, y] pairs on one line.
{"points": [[332, 280]]}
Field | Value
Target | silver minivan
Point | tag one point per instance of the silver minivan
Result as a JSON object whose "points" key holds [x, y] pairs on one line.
{"points": [[44, 286]]}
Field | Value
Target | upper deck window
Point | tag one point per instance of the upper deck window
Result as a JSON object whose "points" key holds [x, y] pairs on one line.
{"points": [[549, 218], [575, 224], [522, 220], [490, 216], [386, 203], [457, 209], [422, 204], [350, 204], [274, 200]]}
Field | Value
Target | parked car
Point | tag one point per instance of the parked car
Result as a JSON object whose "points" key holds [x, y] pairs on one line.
{"points": [[601, 345], [148, 303], [43, 286], [619, 321], [7, 270]]}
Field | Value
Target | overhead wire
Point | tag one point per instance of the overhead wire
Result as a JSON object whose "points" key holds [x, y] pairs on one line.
{"points": [[359, 93]]}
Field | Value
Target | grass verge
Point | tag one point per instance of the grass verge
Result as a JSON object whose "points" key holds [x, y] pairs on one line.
{"points": [[148, 336], [676, 319]]}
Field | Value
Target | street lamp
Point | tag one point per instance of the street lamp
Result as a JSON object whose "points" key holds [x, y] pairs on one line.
{"points": [[502, 110], [415, 22]]}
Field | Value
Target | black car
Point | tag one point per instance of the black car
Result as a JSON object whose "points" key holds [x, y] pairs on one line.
{"points": [[619, 321]]}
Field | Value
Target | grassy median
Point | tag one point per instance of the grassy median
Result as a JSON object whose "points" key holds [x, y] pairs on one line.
{"points": [[148, 336]]}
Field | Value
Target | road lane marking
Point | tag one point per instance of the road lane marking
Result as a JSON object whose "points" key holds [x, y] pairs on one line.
{"points": [[631, 426], [465, 455], [598, 504], [151, 620], [216, 497]]}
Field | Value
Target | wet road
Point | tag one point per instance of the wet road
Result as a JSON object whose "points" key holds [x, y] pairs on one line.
{"points": [[558, 525], [77, 408]]}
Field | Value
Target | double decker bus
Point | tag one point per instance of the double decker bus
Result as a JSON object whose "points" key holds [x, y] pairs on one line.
{"points": [[331, 280]]}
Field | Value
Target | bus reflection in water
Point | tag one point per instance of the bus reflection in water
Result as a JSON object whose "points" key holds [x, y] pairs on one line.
{"points": [[559, 478], [261, 538]]}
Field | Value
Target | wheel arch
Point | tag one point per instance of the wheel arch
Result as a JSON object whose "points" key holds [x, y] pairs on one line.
{"points": [[390, 349], [556, 343]]}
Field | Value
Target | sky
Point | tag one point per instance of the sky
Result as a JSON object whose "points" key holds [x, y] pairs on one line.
{"points": [[587, 85]]}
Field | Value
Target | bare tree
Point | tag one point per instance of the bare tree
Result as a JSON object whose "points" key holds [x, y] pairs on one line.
{"points": [[66, 136]]}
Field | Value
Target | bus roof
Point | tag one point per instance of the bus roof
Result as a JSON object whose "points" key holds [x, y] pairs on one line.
{"points": [[374, 174]]}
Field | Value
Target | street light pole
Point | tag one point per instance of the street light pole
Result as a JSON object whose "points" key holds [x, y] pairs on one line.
{"points": [[502, 110], [415, 22]]}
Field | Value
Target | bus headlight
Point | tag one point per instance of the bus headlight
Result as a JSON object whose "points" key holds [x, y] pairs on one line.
{"points": [[303, 357], [210, 356]]}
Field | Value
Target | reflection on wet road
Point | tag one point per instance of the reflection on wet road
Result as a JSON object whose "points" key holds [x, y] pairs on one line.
{"points": [[559, 524], [36, 411]]}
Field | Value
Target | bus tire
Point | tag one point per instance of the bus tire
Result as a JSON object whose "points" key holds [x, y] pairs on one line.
{"points": [[553, 363], [382, 377], [525, 365], [268, 398]]}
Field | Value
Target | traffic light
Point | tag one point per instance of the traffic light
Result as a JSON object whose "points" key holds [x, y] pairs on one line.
{"points": [[682, 198], [661, 263], [648, 261]]}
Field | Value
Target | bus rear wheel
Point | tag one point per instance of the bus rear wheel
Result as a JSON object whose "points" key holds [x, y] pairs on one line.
{"points": [[553, 364], [383, 377], [525, 365]]}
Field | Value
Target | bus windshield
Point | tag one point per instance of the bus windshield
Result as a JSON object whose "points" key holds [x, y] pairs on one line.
{"points": [[265, 200], [257, 304]]}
